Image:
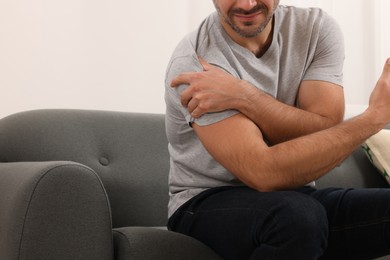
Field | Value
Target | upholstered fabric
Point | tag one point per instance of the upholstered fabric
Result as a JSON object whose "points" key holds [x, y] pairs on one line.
{"points": [[127, 150], [377, 149], [78, 184], [53, 210], [67, 177], [355, 172], [139, 241]]}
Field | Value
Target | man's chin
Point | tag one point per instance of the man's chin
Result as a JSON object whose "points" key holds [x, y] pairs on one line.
{"points": [[248, 33]]}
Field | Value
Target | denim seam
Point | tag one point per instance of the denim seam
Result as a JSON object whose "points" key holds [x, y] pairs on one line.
{"points": [[360, 225], [215, 210]]}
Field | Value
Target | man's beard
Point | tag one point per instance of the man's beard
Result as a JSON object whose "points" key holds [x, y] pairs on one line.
{"points": [[246, 31]]}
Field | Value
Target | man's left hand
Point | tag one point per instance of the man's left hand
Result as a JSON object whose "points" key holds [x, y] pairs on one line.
{"points": [[212, 90]]}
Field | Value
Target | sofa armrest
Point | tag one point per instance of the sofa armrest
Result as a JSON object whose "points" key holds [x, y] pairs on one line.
{"points": [[53, 210], [154, 243]]}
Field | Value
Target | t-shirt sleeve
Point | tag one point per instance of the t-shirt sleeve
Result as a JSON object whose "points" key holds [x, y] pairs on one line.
{"points": [[327, 63], [180, 65]]}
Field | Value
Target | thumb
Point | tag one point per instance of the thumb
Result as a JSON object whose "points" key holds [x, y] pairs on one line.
{"points": [[386, 69]]}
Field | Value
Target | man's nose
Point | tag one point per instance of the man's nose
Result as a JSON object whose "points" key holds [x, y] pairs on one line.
{"points": [[246, 4]]}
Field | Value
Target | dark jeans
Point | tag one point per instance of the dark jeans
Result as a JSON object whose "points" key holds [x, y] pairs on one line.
{"points": [[241, 223]]}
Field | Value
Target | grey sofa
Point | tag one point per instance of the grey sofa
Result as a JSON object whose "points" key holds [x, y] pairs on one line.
{"points": [[81, 184]]}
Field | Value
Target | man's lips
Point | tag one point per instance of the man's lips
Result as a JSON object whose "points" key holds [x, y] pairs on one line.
{"points": [[247, 17]]}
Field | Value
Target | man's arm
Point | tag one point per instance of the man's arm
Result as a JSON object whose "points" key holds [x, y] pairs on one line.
{"points": [[321, 104], [237, 144]]}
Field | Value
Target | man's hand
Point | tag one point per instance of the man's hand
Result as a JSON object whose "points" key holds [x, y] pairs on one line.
{"points": [[212, 90], [380, 97], [321, 104]]}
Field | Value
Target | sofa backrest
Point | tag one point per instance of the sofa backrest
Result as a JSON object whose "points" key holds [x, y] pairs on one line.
{"points": [[129, 152]]}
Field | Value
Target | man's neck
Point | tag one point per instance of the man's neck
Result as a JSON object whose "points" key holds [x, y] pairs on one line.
{"points": [[257, 45]]}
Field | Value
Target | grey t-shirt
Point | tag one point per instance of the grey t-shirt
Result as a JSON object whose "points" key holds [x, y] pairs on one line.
{"points": [[307, 45]]}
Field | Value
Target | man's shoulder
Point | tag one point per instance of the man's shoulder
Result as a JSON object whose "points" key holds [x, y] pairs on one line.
{"points": [[184, 56], [189, 47], [300, 16], [185, 47], [299, 11], [206, 41], [300, 23]]}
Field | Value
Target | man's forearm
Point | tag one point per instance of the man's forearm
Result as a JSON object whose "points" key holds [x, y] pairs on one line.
{"points": [[309, 157], [280, 122], [287, 165]]}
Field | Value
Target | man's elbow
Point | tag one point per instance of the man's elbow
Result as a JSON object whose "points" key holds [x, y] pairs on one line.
{"points": [[266, 183], [337, 118], [332, 121]]}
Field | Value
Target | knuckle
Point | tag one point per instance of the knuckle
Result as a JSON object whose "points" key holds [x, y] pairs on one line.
{"points": [[204, 106]]}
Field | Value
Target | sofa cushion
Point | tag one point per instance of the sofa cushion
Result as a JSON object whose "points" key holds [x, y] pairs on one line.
{"points": [[377, 149], [155, 243]]}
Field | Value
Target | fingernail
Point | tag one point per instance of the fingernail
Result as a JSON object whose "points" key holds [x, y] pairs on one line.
{"points": [[388, 61]]}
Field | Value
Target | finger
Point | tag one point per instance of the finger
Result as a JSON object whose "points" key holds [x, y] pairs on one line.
{"points": [[386, 70], [192, 105], [179, 80], [204, 63], [197, 107], [197, 112], [387, 65], [186, 96], [183, 78]]}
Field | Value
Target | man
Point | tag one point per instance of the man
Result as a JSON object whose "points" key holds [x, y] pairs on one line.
{"points": [[254, 117]]}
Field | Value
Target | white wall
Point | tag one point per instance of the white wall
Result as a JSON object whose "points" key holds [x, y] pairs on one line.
{"points": [[112, 54], [94, 54]]}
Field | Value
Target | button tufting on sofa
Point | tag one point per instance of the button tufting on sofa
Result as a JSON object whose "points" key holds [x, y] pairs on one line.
{"points": [[104, 161]]}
